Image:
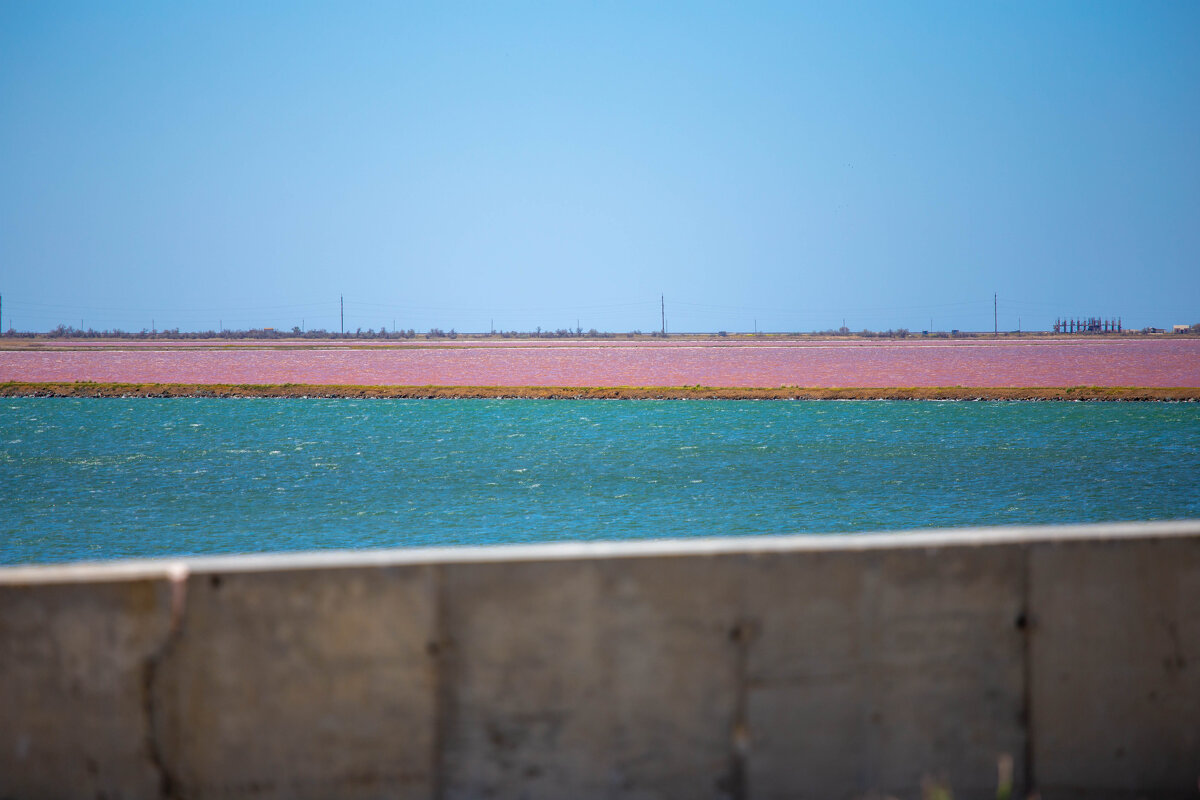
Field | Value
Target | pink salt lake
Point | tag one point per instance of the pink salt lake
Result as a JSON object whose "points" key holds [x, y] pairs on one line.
{"points": [[978, 363]]}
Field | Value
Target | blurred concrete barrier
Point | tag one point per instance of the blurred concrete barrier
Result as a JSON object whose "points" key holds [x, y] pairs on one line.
{"points": [[775, 667]]}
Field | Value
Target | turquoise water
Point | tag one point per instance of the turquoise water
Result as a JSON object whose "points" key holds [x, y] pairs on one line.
{"points": [[98, 479]]}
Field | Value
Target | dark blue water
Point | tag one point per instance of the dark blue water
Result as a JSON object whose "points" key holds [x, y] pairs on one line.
{"points": [[96, 479]]}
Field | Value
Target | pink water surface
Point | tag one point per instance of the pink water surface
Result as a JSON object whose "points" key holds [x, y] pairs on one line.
{"points": [[1140, 362]]}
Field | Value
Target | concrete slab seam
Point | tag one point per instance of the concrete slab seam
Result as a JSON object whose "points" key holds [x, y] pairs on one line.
{"points": [[168, 782]]}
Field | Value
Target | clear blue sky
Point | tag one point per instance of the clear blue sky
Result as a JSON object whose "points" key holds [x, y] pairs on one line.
{"points": [[535, 164]]}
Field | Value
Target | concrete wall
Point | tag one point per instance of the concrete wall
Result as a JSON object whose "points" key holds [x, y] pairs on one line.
{"points": [[783, 667]]}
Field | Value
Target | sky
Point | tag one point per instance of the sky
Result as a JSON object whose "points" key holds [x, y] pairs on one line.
{"points": [[779, 167]]}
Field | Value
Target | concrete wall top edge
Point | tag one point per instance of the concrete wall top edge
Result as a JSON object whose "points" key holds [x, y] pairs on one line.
{"points": [[175, 568]]}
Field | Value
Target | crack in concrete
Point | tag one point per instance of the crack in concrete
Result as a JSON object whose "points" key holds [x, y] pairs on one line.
{"points": [[168, 784], [438, 650], [1025, 623], [734, 783]]}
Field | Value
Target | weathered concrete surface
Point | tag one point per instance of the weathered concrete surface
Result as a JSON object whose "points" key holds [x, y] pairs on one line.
{"points": [[301, 684], [782, 667], [73, 692], [593, 678], [870, 671], [1115, 668]]}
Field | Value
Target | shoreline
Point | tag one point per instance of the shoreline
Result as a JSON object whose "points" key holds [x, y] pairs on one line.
{"points": [[299, 391]]}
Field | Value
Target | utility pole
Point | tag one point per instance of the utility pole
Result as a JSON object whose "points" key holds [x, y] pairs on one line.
{"points": [[342, 306], [1, 314], [995, 315], [663, 300]]}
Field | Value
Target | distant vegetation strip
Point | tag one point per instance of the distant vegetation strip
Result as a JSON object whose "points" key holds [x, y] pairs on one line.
{"points": [[296, 390], [1095, 327]]}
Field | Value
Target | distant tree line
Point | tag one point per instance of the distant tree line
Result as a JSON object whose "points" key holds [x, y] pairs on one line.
{"points": [[890, 333], [69, 332]]}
